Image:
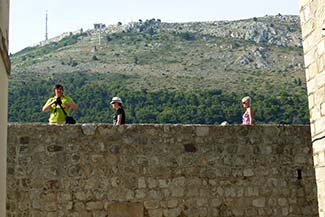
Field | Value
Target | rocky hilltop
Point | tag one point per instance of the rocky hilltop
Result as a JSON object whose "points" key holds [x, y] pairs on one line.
{"points": [[282, 30], [274, 30]]}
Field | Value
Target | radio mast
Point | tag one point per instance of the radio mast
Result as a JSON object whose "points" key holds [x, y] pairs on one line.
{"points": [[100, 34], [46, 36]]}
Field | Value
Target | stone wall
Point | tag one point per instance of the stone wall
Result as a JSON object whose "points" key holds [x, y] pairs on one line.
{"points": [[4, 73], [160, 170], [312, 16]]}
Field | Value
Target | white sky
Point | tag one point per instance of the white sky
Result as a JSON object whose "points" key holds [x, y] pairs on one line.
{"points": [[27, 17]]}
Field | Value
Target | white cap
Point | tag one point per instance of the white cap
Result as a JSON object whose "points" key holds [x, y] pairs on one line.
{"points": [[116, 99]]}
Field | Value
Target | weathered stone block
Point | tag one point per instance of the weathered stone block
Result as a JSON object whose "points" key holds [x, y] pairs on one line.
{"points": [[306, 13], [152, 183], [177, 192], [94, 205], [259, 202], [248, 172], [140, 194], [125, 209], [309, 26], [151, 204], [172, 212], [142, 182], [155, 213], [310, 56], [163, 183], [312, 70], [202, 131], [89, 129]]}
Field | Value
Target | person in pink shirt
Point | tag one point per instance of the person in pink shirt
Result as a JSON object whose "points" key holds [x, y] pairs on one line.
{"points": [[248, 115]]}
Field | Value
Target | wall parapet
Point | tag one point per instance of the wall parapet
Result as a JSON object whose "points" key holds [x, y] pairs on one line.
{"points": [[160, 170]]}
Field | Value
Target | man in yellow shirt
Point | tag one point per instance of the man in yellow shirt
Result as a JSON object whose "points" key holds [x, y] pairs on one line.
{"points": [[57, 115]]}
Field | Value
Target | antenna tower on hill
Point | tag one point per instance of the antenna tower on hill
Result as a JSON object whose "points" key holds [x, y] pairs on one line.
{"points": [[46, 36]]}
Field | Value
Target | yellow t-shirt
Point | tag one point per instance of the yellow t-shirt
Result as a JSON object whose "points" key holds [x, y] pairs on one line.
{"points": [[57, 115]]}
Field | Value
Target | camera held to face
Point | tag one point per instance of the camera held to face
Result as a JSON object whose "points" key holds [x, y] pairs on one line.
{"points": [[58, 101]]}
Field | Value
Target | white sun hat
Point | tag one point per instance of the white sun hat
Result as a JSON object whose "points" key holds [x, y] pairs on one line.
{"points": [[116, 99]]}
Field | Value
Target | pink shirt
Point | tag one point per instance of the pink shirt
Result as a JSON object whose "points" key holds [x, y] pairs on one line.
{"points": [[245, 119]]}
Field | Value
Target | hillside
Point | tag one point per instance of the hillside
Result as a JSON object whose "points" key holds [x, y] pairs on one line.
{"points": [[221, 60]]}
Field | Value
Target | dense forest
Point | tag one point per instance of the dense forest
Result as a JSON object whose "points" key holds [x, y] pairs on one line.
{"points": [[183, 107]]}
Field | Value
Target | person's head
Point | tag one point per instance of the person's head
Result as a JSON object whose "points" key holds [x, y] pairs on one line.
{"points": [[58, 90], [116, 102], [246, 101]]}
